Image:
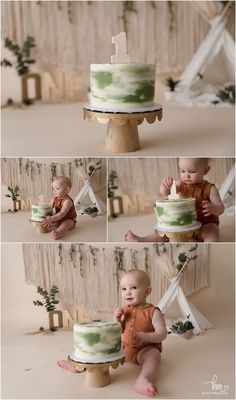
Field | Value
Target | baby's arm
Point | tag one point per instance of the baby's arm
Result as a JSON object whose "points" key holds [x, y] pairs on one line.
{"points": [[215, 205], [119, 317], [160, 333], [166, 185], [57, 217]]}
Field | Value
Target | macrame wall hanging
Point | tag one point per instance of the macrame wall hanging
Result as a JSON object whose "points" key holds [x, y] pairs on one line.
{"points": [[68, 34], [88, 275], [34, 177]]}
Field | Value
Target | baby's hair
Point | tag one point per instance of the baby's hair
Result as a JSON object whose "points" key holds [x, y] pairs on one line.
{"points": [[204, 160], [64, 179], [140, 274]]}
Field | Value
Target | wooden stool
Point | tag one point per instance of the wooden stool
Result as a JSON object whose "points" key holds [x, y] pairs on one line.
{"points": [[122, 130], [97, 375], [39, 227], [174, 236]]}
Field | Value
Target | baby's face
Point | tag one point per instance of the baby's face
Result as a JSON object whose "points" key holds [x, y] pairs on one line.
{"points": [[59, 189], [192, 170], [133, 291]]}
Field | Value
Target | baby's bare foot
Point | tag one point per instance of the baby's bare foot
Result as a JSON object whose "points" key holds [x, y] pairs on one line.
{"points": [[55, 235], [145, 387], [65, 364], [131, 237]]}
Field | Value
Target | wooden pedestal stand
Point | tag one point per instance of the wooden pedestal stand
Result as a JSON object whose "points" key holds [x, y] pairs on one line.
{"points": [[97, 375], [184, 236], [122, 129], [39, 227]]}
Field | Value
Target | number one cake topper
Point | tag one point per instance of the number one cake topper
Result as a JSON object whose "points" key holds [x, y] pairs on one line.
{"points": [[120, 43], [41, 199], [173, 195]]}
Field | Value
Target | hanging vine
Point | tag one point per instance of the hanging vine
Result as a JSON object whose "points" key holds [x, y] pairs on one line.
{"points": [[94, 251], [20, 165], [146, 259], [171, 15], [128, 7], [60, 253], [53, 170], [134, 262], [81, 261]]}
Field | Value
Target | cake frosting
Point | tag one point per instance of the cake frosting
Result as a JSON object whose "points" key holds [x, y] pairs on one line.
{"points": [[41, 211], [122, 87], [97, 341], [177, 214]]}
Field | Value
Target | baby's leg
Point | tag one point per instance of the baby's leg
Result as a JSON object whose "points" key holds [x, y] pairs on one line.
{"points": [[210, 233], [149, 359], [131, 237], [63, 227]]}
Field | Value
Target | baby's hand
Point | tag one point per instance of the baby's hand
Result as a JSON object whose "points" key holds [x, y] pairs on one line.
{"points": [[118, 314], [47, 222], [167, 182], [207, 208], [141, 337]]}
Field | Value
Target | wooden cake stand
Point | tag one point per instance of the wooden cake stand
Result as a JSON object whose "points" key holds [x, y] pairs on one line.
{"points": [[174, 236], [97, 375], [39, 228], [122, 129]]}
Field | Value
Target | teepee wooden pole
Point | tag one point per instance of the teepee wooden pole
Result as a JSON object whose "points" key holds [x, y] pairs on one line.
{"points": [[182, 269]]}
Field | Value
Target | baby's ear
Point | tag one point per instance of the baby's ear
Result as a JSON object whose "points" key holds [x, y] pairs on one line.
{"points": [[148, 291], [67, 189]]}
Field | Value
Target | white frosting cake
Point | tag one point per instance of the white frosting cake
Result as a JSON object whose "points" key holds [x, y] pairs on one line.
{"points": [[176, 215], [41, 211], [97, 341], [122, 87]]}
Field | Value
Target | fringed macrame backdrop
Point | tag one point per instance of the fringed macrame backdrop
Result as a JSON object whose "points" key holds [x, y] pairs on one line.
{"points": [[74, 34], [144, 176], [34, 177], [88, 275]]}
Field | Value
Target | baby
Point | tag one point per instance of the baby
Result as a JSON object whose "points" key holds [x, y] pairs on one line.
{"points": [[144, 329], [65, 216], [192, 184]]}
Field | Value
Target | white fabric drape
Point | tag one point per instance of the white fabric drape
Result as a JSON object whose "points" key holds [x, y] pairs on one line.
{"points": [[89, 275], [34, 177]]}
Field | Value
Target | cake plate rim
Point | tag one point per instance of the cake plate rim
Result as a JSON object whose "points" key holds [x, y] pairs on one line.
{"points": [[196, 225], [76, 359], [90, 107]]}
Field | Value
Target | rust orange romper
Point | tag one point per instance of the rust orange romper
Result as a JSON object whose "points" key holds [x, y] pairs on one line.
{"points": [[71, 214], [200, 192], [136, 319]]}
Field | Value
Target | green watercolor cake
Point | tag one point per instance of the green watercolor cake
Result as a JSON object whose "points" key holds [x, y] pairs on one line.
{"points": [[41, 211], [122, 87], [176, 215], [97, 341]]}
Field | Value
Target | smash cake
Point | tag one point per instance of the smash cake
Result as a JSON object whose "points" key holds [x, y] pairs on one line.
{"points": [[124, 87], [41, 211], [176, 215], [97, 342]]}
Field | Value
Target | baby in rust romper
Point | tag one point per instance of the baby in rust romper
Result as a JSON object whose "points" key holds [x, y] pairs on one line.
{"points": [[144, 329], [65, 216]]}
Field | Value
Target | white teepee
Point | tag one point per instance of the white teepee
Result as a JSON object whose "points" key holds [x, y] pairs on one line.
{"points": [[175, 294], [227, 192], [212, 66], [87, 193]]}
